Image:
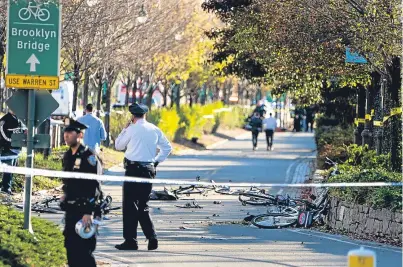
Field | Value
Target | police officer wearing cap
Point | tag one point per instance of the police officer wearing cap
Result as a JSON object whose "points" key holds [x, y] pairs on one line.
{"points": [[80, 197], [140, 139]]}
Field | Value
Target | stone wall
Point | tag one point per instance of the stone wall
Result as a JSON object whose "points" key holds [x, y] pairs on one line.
{"points": [[363, 220]]}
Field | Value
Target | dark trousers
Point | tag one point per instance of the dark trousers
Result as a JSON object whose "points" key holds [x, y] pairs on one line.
{"points": [[135, 203], [269, 137], [7, 180], [79, 250], [255, 134]]}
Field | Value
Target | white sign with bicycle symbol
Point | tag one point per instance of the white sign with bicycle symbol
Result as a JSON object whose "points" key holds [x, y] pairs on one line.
{"points": [[34, 10]]}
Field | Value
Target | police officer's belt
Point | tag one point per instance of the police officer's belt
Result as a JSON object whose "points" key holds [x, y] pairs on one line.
{"points": [[137, 163]]}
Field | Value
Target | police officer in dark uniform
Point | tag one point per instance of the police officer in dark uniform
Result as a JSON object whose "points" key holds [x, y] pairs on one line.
{"points": [[81, 197], [9, 124], [140, 139]]}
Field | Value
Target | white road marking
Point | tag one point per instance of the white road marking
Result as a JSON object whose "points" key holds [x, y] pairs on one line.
{"points": [[333, 238]]}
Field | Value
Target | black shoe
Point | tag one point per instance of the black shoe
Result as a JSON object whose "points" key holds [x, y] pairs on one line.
{"points": [[128, 245], [152, 244]]}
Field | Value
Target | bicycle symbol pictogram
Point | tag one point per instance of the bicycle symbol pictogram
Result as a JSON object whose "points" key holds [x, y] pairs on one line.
{"points": [[34, 10]]}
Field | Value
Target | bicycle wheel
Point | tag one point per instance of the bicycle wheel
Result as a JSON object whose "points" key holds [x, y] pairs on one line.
{"points": [[282, 210], [257, 200], [274, 220], [43, 14], [188, 191], [24, 14]]}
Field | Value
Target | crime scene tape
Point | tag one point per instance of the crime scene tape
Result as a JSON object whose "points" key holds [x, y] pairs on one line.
{"points": [[393, 112], [112, 178]]}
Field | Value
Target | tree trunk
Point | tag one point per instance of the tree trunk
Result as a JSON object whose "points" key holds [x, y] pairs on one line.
{"points": [[99, 95], [150, 92], [128, 83], [178, 95], [165, 94], [361, 94], [107, 114], [395, 122], [367, 134], [76, 80], [191, 93], [85, 89]]}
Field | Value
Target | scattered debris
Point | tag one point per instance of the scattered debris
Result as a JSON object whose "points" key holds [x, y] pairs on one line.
{"points": [[249, 218], [189, 205], [162, 195], [213, 238]]}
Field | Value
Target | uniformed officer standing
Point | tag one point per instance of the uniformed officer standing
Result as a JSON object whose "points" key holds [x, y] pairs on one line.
{"points": [[9, 124], [141, 140], [80, 197]]}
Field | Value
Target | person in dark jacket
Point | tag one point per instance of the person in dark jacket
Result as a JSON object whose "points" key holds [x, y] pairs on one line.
{"points": [[297, 123], [81, 197], [256, 124], [9, 124]]}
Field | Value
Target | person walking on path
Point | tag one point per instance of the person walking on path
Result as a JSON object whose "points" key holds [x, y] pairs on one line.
{"points": [[9, 124], [96, 132], [270, 125], [297, 123], [80, 197], [256, 124], [140, 139]]}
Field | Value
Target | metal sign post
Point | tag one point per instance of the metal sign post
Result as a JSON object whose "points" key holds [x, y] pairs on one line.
{"points": [[33, 60], [30, 160]]}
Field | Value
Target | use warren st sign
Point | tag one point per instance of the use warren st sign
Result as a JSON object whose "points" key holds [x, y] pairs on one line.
{"points": [[33, 44]]}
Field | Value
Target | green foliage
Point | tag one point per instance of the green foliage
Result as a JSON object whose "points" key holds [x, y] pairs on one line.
{"points": [[168, 122], [118, 121], [193, 121], [332, 142], [234, 118], [365, 158], [19, 248], [384, 197], [53, 162], [357, 164], [187, 122]]}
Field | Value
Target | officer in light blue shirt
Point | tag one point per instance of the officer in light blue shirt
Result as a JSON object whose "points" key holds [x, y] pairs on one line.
{"points": [[95, 132]]}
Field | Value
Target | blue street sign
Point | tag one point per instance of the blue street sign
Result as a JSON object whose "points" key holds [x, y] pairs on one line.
{"points": [[354, 57]]}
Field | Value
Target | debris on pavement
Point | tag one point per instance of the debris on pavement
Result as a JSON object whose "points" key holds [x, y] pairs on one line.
{"points": [[189, 205], [213, 238], [162, 195]]}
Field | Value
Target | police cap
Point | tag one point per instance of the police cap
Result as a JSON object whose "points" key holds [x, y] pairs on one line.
{"points": [[138, 109], [75, 126]]}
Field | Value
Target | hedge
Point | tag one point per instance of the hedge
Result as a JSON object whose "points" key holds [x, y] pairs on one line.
{"points": [[53, 162], [356, 164], [19, 248]]}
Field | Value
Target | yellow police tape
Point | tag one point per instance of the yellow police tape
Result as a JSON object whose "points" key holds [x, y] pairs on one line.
{"points": [[88, 176], [393, 112], [378, 123]]}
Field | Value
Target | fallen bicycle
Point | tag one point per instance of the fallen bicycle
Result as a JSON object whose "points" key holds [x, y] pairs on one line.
{"points": [[303, 214]]}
